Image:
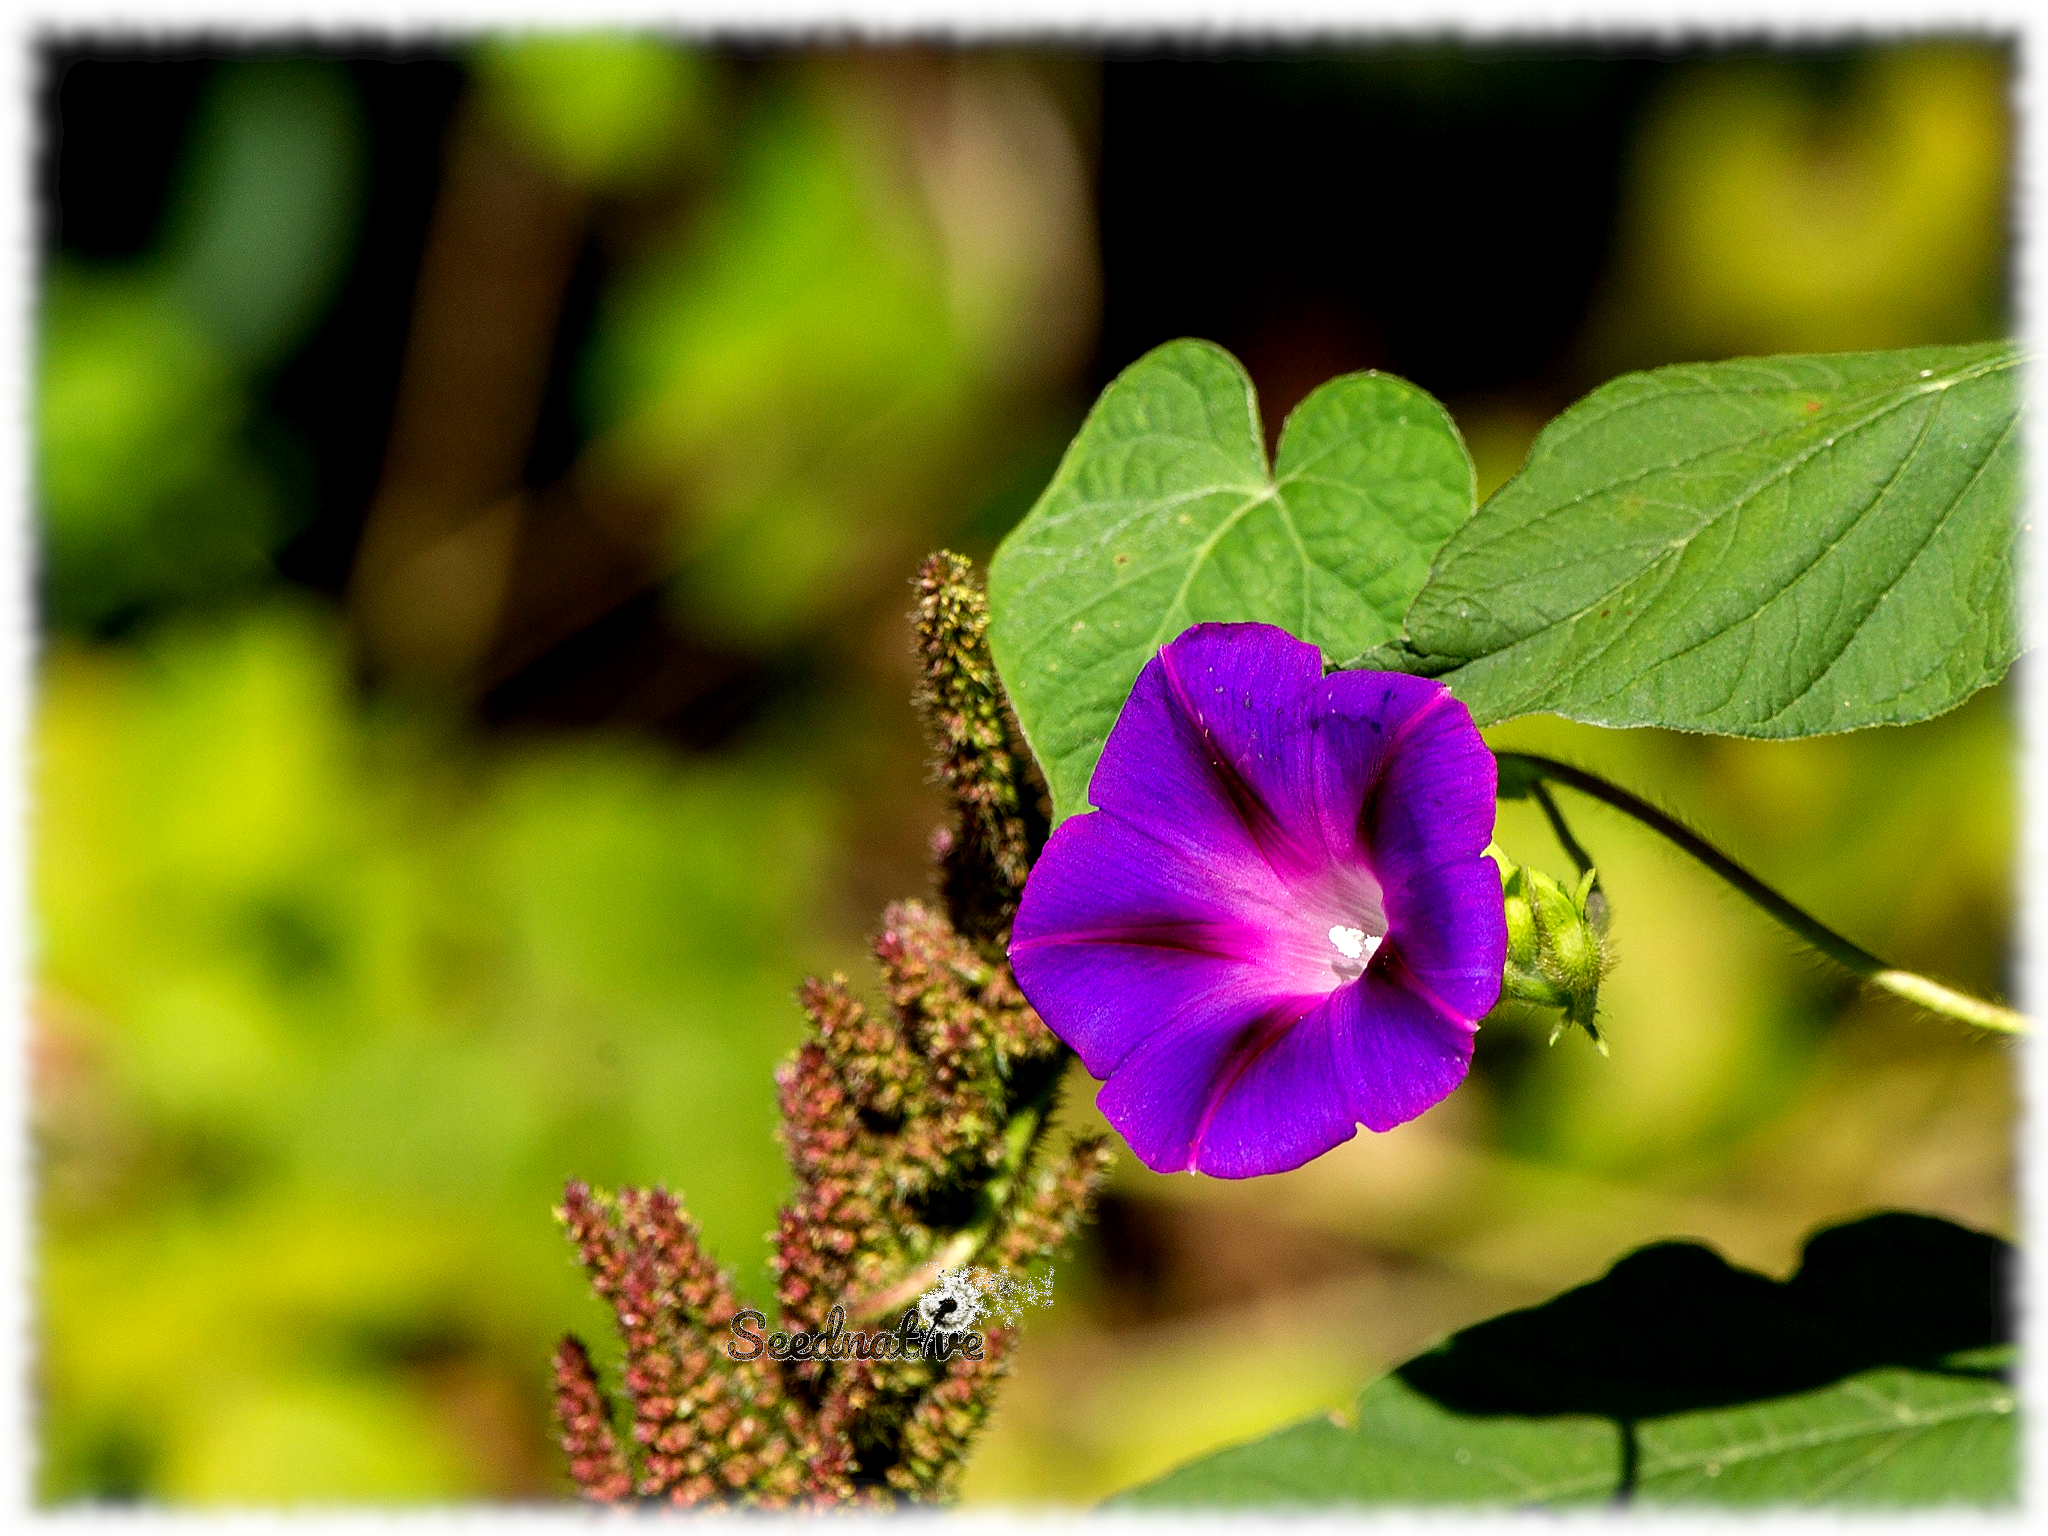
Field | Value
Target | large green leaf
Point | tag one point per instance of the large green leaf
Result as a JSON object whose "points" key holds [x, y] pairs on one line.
{"points": [[1776, 546], [1164, 514], [1870, 1378]]}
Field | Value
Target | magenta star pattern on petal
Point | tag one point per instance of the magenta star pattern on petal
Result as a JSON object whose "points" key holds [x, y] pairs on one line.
{"points": [[1279, 922]]}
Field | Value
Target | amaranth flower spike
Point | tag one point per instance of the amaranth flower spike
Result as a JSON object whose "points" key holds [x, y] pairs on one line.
{"points": [[1279, 922]]}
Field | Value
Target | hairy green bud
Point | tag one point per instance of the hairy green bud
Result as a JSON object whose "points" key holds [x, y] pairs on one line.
{"points": [[1557, 944]]}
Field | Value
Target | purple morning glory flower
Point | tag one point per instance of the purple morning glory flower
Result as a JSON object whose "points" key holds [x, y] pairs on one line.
{"points": [[1279, 922]]}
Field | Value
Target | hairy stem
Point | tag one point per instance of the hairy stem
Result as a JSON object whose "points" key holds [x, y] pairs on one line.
{"points": [[1914, 988]]}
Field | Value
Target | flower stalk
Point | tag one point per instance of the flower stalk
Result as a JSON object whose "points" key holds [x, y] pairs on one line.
{"points": [[918, 1135], [1525, 773]]}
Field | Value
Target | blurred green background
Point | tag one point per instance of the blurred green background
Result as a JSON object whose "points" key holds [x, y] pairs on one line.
{"points": [[477, 494]]}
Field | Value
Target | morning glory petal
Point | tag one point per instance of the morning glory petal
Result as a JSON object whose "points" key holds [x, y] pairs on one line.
{"points": [[1131, 929], [1434, 801], [1360, 715], [1453, 934], [1213, 747], [1165, 1094], [1284, 1100], [1404, 1052], [1279, 922]]}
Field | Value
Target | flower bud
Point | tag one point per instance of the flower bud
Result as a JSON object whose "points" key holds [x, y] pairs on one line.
{"points": [[1557, 949]]}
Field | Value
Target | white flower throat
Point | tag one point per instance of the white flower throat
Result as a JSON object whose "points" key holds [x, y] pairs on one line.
{"points": [[1354, 951]]}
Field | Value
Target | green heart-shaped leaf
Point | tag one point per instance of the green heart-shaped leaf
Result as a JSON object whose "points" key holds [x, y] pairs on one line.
{"points": [[1778, 546], [1164, 514]]}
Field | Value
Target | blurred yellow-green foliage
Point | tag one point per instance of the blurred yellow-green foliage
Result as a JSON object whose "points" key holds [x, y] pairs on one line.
{"points": [[449, 758], [1774, 214], [331, 1002]]}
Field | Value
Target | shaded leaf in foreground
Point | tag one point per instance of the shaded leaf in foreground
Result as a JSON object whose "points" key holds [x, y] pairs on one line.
{"points": [[1871, 1378]]}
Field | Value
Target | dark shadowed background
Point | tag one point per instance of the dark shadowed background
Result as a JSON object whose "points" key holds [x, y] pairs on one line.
{"points": [[478, 491]]}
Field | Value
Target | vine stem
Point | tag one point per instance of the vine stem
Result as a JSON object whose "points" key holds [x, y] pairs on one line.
{"points": [[1578, 855], [1922, 991]]}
